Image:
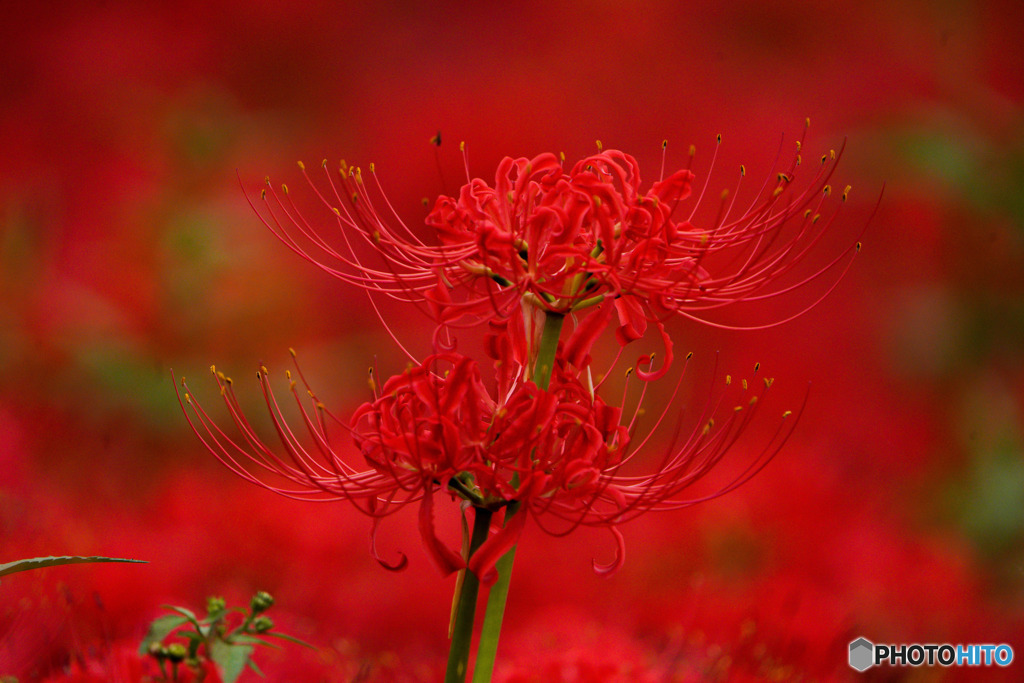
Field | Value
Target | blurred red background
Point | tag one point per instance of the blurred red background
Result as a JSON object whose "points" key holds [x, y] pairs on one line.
{"points": [[127, 249]]}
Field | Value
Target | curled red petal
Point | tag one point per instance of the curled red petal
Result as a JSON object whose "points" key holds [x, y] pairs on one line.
{"points": [[675, 188], [648, 360], [446, 559], [577, 348], [607, 570], [396, 567], [490, 551], [632, 321]]}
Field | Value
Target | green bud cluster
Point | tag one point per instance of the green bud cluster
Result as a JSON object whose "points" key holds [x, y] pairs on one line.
{"points": [[261, 602]]}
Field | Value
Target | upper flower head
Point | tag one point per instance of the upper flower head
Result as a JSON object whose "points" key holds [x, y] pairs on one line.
{"points": [[563, 240]]}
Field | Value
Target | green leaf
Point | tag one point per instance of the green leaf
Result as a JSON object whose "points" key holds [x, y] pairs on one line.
{"points": [[253, 640], [40, 562], [160, 628], [230, 659], [188, 614], [291, 639], [252, 665]]}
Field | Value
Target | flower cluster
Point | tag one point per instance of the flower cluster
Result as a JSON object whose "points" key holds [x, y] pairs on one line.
{"points": [[547, 261]]}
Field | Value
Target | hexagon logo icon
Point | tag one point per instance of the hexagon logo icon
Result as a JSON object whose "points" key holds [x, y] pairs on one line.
{"points": [[862, 653]]}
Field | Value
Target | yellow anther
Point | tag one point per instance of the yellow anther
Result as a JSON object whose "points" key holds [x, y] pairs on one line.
{"points": [[827, 190], [719, 138], [323, 163], [600, 146], [743, 170], [753, 400], [728, 379], [664, 144], [689, 355], [288, 374], [336, 211], [787, 414], [798, 159], [213, 369], [373, 167], [284, 188], [768, 381], [263, 193], [846, 192], [799, 145], [263, 369], [757, 366], [725, 194], [858, 246], [462, 146], [302, 166], [291, 351], [693, 150]]}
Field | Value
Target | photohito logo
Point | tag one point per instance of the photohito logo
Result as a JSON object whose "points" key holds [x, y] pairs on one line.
{"points": [[864, 654]]}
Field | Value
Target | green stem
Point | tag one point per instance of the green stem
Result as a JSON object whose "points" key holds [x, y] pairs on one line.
{"points": [[497, 597], [465, 611], [546, 352]]}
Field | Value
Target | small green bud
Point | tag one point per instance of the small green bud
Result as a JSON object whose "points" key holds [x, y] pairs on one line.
{"points": [[176, 652], [215, 604], [157, 651], [262, 624], [261, 602]]}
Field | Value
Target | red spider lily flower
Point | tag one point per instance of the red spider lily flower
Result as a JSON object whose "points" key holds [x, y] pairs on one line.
{"points": [[562, 456], [563, 240]]}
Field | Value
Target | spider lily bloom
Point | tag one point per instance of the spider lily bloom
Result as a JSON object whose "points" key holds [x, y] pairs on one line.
{"points": [[563, 240], [563, 456]]}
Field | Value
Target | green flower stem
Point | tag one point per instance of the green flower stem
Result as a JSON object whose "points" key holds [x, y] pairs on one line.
{"points": [[465, 611], [548, 345], [497, 597], [490, 631]]}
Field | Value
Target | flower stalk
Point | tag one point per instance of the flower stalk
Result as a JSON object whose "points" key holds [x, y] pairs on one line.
{"points": [[465, 610]]}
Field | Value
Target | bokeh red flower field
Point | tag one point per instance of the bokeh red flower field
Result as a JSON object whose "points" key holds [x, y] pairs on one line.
{"points": [[127, 249]]}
